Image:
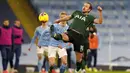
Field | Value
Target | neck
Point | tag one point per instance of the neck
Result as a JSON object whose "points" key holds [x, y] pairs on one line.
{"points": [[62, 23], [16, 25], [85, 13], [43, 25]]}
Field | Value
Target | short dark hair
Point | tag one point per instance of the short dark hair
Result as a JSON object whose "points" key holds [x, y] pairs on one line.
{"points": [[63, 13], [90, 5], [16, 21], [5, 20]]}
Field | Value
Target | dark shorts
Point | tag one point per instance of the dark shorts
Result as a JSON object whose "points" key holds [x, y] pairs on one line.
{"points": [[77, 39]]}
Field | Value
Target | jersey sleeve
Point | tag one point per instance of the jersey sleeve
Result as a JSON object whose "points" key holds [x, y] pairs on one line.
{"points": [[34, 38], [91, 18], [73, 14]]}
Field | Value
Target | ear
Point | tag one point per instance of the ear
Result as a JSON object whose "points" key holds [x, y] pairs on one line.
{"points": [[89, 10]]}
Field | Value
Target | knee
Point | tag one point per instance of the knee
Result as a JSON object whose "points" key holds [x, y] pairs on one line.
{"points": [[65, 37], [17, 58], [52, 61], [39, 57], [79, 57], [64, 62], [4, 58]]}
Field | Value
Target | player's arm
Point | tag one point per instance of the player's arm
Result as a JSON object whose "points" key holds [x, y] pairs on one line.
{"points": [[34, 38], [100, 19], [66, 18], [0, 32]]}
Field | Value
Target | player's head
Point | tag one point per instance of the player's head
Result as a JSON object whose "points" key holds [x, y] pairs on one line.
{"points": [[43, 17], [6, 22], [87, 7], [62, 15], [17, 23]]}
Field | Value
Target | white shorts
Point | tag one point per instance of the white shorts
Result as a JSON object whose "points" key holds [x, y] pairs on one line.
{"points": [[42, 50], [52, 51]]}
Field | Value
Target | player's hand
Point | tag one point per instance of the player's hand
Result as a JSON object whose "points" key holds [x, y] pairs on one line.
{"points": [[57, 21], [99, 8], [39, 47], [29, 49], [59, 46]]}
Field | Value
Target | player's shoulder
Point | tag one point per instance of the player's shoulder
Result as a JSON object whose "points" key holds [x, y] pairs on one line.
{"points": [[56, 25], [67, 25], [92, 15], [37, 28], [77, 11]]}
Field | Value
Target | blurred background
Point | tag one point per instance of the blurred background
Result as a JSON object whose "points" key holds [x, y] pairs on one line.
{"points": [[114, 34]]}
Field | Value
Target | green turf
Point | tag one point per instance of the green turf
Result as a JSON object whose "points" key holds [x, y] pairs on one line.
{"points": [[108, 72]]}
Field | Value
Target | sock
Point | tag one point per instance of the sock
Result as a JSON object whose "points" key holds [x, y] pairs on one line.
{"points": [[53, 68], [39, 65], [83, 64], [47, 66], [63, 68], [79, 65]]}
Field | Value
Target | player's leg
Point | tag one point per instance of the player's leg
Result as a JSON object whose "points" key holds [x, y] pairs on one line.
{"points": [[40, 57], [63, 37], [52, 56], [79, 55], [95, 61], [9, 57], [45, 60], [11, 60], [73, 59], [63, 55], [69, 59], [17, 54], [4, 58], [86, 47], [89, 60]]}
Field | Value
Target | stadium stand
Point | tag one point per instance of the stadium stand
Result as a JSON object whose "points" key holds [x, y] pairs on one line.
{"points": [[113, 34]]}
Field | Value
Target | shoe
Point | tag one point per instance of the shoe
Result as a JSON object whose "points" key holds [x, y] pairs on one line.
{"points": [[70, 71], [83, 71], [15, 71], [53, 71], [95, 70], [12, 70], [43, 71], [5, 71], [89, 69]]}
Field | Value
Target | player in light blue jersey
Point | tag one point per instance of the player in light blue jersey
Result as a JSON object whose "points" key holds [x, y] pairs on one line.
{"points": [[56, 46], [43, 34]]}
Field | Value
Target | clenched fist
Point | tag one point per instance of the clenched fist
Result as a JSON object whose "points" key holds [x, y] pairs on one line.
{"points": [[99, 8]]}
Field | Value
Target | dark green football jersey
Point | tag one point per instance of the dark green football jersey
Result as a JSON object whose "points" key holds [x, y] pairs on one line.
{"points": [[81, 22]]}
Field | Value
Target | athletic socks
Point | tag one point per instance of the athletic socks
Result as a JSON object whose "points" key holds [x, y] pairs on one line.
{"points": [[79, 65], [57, 36], [39, 65], [52, 68], [83, 64], [63, 68]]}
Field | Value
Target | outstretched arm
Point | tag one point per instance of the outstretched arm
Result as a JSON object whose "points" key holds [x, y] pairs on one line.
{"points": [[100, 19], [63, 19], [34, 38]]}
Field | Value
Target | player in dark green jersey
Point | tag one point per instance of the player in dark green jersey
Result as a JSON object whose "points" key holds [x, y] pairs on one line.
{"points": [[77, 32]]}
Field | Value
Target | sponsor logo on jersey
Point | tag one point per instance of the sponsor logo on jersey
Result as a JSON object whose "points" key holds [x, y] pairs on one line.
{"points": [[80, 17]]}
